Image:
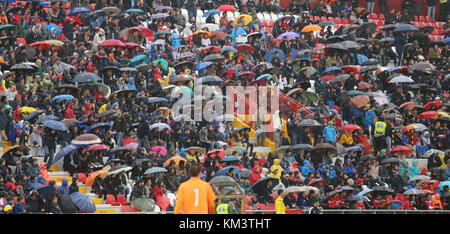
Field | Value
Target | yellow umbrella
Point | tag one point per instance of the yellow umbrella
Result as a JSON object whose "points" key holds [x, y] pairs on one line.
{"points": [[55, 42], [443, 114], [27, 109], [311, 28], [246, 18]]}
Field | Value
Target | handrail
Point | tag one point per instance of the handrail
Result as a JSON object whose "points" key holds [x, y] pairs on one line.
{"points": [[300, 106]]}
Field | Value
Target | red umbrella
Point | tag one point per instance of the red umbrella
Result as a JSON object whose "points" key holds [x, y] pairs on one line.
{"points": [[402, 149], [218, 35], [247, 75], [96, 147], [437, 104], [113, 43], [428, 114], [245, 48], [222, 153], [209, 49], [228, 74], [359, 101], [408, 105], [347, 69], [127, 140], [225, 8], [132, 44], [351, 127], [21, 41], [41, 45], [327, 78], [364, 85], [314, 181], [86, 139], [76, 20]]}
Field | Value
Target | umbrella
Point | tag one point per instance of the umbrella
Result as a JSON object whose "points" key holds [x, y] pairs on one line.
{"points": [[41, 45], [292, 91], [228, 49], [230, 159], [77, 10], [83, 202], [225, 8], [261, 185], [245, 18], [351, 149], [413, 191], [270, 54], [420, 178], [408, 105], [143, 67], [302, 147], [157, 148], [293, 189], [139, 59], [164, 63], [66, 204], [86, 77], [357, 198], [112, 43], [332, 69], [351, 127], [64, 97], [213, 11], [364, 85], [34, 114], [135, 11], [359, 101], [324, 147], [100, 125], [225, 170], [209, 80], [176, 159], [288, 35], [428, 114], [160, 16], [196, 149], [56, 125], [160, 126], [203, 65], [63, 152], [55, 42], [442, 184], [86, 139], [118, 169], [244, 173], [311, 96], [254, 34], [422, 66], [95, 147], [163, 8], [326, 23], [214, 58], [91, 178], [401, 79], [24, 66], [431, 152], [311, 28], [405, 28], [111, 9], [222, 179], [156, 99], [351, 44], [46, 118], [245, 48], [418, 127], [105, 113], [222, 153], [315, 181], [382, 189], [309, 123], [309, 70], [368, 68], [143, 204], [218, 35], [402, 149], [283, 148], [340, 78], [436, 104], [155, 170]]}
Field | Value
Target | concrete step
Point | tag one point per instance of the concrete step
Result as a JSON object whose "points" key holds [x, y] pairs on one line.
{"points": [[262, 150], [82, 188], [60, 178], [58, 173]]}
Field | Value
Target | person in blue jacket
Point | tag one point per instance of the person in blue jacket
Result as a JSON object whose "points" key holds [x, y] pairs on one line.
{"points": [[331, 171], [64, 188], [322, 169], [349, 169], [329, 133], [306, 169]]}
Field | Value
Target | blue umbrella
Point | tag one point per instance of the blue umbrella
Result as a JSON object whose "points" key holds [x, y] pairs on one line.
{"points": [[56, 125], [332, 69], [230, 159], [63, 97], [50, 27], [353, 148], [203, 65], [86, 77], [393, 69], [157, 99], [97, 12], [445, 183], [100, 125], [83, 202], [63, 152], [269, 55], [14, 10], [326, 23], [268, 76], [46, 190], [47, 118], [355, 92], [294, 53], [155, 170], [44, 3], [78, 10], [225, 170], [288, 35], [134, 10], [83, 124], [405, 28], [213, 11], [447, 40], [364, 192], [227, 49], [362, 59], [138, 59]]}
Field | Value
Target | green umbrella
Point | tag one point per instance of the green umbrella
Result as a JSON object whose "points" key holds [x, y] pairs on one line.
{"points": [[7, 27], [143, 204], [164, 62], [163, 32], [368, 68], [311, 96], [138, 59]]}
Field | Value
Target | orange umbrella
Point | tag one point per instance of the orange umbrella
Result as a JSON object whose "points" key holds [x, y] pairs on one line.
{"points": [[91, 178], [311, 28], [41, 45], [176, 159], [409, 127], [359, 101]]}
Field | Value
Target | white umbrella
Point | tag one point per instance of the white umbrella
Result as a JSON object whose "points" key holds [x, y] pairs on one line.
{"points": [[210, 27], [401, 79]]}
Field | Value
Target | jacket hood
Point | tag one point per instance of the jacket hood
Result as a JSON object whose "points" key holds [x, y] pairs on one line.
{"points": [[305, 163], [64, 182], [276, 162]]}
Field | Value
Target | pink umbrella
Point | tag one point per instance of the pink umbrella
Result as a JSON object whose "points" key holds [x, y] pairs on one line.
{"points": [[157, 148], [96, 147], [86, 139], [132, 145]]}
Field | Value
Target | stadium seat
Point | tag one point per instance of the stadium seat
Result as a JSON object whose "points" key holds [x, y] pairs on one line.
{"points": [[439, 31], [270, 23], [440, 25], [345, 21], [416, 18], [134, 209], [428, 19], [338, 20], [331, 19], [374, 16], [125, 209], [323, 19], [273, 17], [266, 16], [264, 23], [122, 200], [316, 18], [260, 16], [421, 24], [421, 18], [416, 24], [110, 199], [439, 37], [381, 16]]}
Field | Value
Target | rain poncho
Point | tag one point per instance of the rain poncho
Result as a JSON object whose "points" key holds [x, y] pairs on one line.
{"points": [[329, 133], [414, 170]]}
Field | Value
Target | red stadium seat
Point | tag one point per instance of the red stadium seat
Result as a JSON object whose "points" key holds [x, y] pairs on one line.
{"points": [[428, 19], [323, 19], [439, 37], [345, 21], [416, 24], [421, 18], [316, 18], [110, 199], [134, 209], [440, 25], [311, 17], [122, 200], [331, 19], [439, 31], [421, 24], [432, 37], [434, 25], [416, 18], [125, 209], [374, 16], [381, 16], [264, 23], [338, 20], [271, 23]]}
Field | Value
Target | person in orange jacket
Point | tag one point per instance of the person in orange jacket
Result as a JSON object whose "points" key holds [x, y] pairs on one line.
{"points": [[436, 202]]}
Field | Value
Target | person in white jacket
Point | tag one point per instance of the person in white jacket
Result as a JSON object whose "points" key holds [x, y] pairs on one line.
{"points": [[99, 37]]}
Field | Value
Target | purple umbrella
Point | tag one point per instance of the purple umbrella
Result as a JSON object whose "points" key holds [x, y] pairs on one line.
{"points": [[161, 8], [288, 35]]}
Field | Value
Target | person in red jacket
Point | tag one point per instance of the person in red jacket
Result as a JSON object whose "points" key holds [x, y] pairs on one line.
{"points": [[334, 201], [377, 201], [256, 173]]}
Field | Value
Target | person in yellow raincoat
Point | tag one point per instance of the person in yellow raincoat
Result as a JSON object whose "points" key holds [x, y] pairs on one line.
{"points": [[346, 139], [280, 207], [276, 166]]}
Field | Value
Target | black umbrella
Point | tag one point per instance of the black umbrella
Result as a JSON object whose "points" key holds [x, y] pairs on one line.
{"points": [[351, 44], [113, 69], [46, 118], [213, 80], [73, 88], [182, 64], [34, 114], [302, 147], [66, 204], [324, 147], [24, 67], [30, 51], [372, 28], [214, 58], [128, 69], [339, 78], [337, 46], [143, 67], [382, 189], [392, 160], [86, 77], [105, 113], [260, 185], [334, 39]]}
